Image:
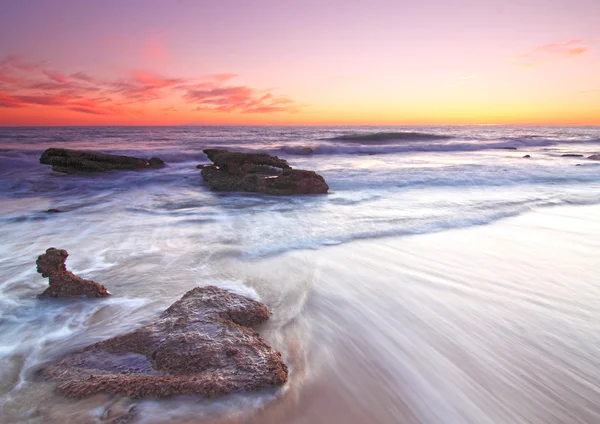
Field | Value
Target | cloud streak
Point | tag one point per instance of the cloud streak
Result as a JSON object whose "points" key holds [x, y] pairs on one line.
{"points": [[551, 52], [35, 84]]}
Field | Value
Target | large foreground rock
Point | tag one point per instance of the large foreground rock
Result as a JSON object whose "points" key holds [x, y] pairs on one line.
{"points": [[64, 283], [202, 344], [76, 161], [255, 172]]}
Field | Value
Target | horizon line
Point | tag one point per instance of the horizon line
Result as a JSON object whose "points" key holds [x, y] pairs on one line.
{"points": [[299, 125]]}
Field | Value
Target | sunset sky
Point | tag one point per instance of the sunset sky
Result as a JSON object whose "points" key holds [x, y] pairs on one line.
{"points": [[134, 62]]}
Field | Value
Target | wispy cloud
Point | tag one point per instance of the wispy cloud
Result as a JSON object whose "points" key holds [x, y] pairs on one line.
{"points": [[28, 84], [551, 52], [589, 91]]}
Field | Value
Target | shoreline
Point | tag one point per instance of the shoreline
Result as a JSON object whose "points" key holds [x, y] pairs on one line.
{"points": [[427, 328], [471, 313]]}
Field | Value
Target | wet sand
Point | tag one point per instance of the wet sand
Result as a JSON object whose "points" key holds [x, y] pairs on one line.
{"points": [[490, 324]]}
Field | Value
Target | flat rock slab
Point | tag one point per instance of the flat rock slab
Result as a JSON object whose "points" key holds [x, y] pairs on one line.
{"points": [[63, 283], [76, 161], [202, 344], [260, 173]]}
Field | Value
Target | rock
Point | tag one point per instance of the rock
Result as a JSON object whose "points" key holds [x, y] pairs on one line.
{"points": [[54, 211], [75, 161], [571, 155], [527, 157], [254, 172], [223, 158], [119, 415], [155, 162], [594, 157], [202, 344], [200, 166], [64, 283]]}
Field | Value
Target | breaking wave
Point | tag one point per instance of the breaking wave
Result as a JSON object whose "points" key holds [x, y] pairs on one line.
{"points": [[383, 137]]}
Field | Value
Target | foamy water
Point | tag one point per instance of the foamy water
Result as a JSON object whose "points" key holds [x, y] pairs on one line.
{"points": [[442, 323]]}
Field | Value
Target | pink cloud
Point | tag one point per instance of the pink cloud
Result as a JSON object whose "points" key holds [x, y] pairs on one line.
{"points": [[153, 81], [222, 78], [89, 110], [238, 98], [9, 101], [551, 52], [81, 76], [57, 77], [17, 62], [44, 100], [34, 84]]}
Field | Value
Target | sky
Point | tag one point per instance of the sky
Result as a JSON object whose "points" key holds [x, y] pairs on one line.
{"points": [[309, 62]]}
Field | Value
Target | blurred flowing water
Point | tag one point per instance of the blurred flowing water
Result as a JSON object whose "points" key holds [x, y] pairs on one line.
{"points": [[391, 302]]}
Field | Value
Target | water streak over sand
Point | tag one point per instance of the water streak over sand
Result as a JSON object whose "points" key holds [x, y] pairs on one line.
{"points": [[496, 324]]}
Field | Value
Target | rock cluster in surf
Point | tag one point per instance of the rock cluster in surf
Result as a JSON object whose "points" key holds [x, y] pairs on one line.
{"points": [[75, 161], [202, 344], [64, 283], [261, 173]]}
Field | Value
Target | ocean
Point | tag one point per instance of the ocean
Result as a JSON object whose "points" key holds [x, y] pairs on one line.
{"points": [[445, 278]]}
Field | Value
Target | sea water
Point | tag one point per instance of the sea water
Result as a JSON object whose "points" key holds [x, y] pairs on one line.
{"points": [[320, 264]]}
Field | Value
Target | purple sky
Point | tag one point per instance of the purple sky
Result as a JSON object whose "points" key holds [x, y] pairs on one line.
{"points": [[338, 61]]}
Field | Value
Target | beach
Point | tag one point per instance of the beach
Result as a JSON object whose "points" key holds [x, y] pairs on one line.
{"points": [[438, 282]]}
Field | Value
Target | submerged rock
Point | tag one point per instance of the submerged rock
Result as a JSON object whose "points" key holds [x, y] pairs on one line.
{"points": [[527, 157], [571, 155], [64, 283], [594, 157], [257, 172], [75, 161], [202, 344]]}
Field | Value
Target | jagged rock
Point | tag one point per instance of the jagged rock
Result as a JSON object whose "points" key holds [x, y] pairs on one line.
{"points": [[254, 172], [594, 157], [64, 283], [224, 158], [202, 344], [75, 161], [155, 162]]}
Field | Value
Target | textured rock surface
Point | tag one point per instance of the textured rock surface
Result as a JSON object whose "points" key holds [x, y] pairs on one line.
{"points": [[253, 172], [202, 344], [64, 283], [224, 158], [76, 161]]}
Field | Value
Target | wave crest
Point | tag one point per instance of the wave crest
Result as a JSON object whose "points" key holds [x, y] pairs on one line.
{"points": [[382, 137]]}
